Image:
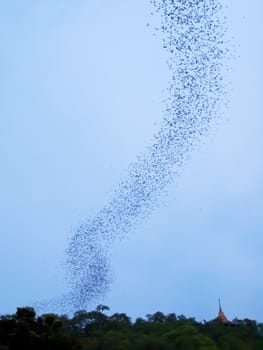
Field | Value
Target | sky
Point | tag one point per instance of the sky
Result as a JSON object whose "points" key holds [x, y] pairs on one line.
{"points": [[82, 85]]}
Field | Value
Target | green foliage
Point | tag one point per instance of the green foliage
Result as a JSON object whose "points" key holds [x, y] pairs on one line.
{"points": [[25, 315], [101, 308], [94, 330], [24, 331]]}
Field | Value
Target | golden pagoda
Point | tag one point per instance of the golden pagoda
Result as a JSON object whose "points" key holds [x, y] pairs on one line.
{"points": [[221, 316]]}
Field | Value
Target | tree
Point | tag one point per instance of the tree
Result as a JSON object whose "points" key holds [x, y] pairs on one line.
{"points": [[157, 317], [101, 308], [115, 341], [25, 315], [119, 321]]}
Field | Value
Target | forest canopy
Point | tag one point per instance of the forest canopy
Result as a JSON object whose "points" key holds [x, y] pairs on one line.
{"points": [[100, 330]]}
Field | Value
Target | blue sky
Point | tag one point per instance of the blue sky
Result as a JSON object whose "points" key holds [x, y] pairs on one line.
{"points": [[81, 90]]}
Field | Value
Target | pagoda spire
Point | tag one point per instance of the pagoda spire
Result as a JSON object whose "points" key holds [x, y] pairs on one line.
{"points": [[221, 316], [219, 302]]}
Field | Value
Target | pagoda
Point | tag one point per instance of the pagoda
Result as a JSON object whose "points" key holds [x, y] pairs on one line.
{"points": [[221, 316]]}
